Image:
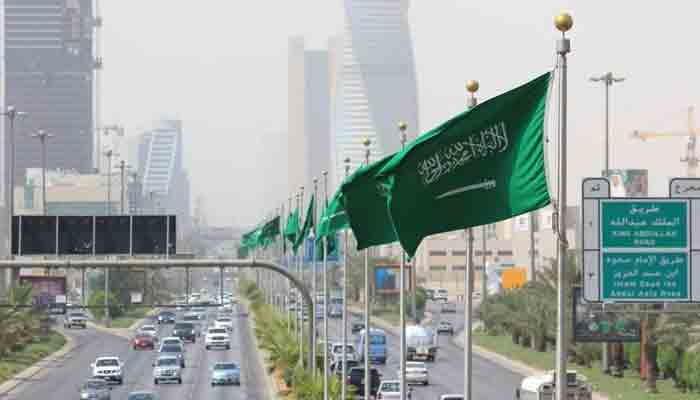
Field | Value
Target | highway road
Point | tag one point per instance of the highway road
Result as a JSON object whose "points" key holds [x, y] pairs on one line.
{"points": [[61, 380], [491, 381]]}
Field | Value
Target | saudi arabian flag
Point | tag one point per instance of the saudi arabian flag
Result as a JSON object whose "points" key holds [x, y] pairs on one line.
{"points": [[483, 166], [269, 231], [333, 218], [306, 228], [292, 228], [365, 204]]}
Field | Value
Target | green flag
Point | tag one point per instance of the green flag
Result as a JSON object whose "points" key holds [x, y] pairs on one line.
{"points": [[483, 166], [269, 231], [292, 228], [306, 228], [333, 218], [365, 204], [332, 247], [242, 252]]}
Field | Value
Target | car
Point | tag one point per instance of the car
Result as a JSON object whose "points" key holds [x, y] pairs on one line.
{"points": [[224, 322], [226, 309], [201, 312], [185, 331], [429, 294], [417, 372], [357, 327], [337, 352], [449, 308], [143, 341], [225, 373], [337, 367], [391, 390], [174, 350], [191, 317], [76, 319], [356, 378], [167, 368], [142, 395], [451, 397], [217, 337], [335, 311], [172, 340], [95, 389], [445, 327], [166, 317], [149, 330], [440, 294], [108, 368]]}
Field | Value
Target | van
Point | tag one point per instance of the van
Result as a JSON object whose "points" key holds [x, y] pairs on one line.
{"points": [[377, 345]]}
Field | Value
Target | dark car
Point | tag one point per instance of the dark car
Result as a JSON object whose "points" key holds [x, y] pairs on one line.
{"points": [[337, 367], [142, 395], [185, 331], [358, 327], [95, 389], [143, 341], [356, 378], [166, 317]]}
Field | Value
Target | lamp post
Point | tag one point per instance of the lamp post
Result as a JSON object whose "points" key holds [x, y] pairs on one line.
{"points": [[12, 114], [109, 154], [123, 167], [563, 23], [106, 129], [472, 88], [402, 299], [607, 79], [43, 136], [136, 193], [368, 384]]}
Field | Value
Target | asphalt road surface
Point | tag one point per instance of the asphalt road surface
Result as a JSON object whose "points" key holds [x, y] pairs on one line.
{"points": [[490, 380], [62, 380]]}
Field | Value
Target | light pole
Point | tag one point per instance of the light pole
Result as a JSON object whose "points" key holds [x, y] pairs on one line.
{"points": [[106, 129], [43, 136], [368, 384], [123, 167], [12, 114], [472, 87], [402, 299], [563, 23], [608, 79], [136, 193], [109, 154], [345, 299]]}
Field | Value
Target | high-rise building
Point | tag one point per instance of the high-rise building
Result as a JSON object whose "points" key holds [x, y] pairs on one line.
{"points": [[49, 73], [309, 115], [164, 180], [376, 82]]}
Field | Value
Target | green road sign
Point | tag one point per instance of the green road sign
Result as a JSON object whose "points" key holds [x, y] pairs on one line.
{"points": [[649, 224], [645, 276]]}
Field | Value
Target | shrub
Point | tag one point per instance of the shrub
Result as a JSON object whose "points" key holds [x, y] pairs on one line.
{"points": [[633, 355], [97, 301]]}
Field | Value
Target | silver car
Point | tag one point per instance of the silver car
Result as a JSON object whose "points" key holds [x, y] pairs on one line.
{"points": [[167, 368], [95, 389], [225, 373]]}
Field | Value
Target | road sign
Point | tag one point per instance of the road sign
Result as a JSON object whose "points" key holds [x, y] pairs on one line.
{"points": [[640, 250]]}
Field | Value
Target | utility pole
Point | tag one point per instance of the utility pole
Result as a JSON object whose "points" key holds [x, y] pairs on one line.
{"points": [[12, 114], [123, 167], [43, 136]]}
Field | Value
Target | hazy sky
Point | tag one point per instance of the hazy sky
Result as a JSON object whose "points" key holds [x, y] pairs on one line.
{"points": [[221, 66]]}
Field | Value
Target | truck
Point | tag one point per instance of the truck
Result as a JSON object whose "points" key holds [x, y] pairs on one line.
{"points": [[421, 342]]}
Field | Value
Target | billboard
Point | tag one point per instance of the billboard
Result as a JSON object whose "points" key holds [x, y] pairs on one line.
{"points": [[45, 289], [593, 324], [628, 182], [386, 278]]}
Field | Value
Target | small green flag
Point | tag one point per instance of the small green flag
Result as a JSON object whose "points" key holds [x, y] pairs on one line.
{"points": [[332, 248], [269, 231], [333, 218], [365, 204], [483, 166], [242, 252], [292, 228], [308, 225]]}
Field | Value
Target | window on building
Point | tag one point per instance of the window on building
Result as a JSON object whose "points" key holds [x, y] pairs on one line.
{"points": [[459, 252], [505, 252], [438, 253], [481, 253], [456, 268]]}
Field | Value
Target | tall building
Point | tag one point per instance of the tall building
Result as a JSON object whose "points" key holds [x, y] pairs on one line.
{"points": [[164, 181], [309, 114], [376, 82], [49, 73]]}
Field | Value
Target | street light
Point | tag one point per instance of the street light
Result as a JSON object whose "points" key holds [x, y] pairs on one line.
{"points": [[43, 136], [123, 167], [12, 114], [106, 129], [109, 154], [608, 79]]}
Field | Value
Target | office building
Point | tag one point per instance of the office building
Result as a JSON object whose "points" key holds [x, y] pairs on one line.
{"points": [[375, 85], [49, 74]]}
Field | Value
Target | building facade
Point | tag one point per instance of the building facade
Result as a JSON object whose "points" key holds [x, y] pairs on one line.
{"points": [[49, 67], [375, 84]]}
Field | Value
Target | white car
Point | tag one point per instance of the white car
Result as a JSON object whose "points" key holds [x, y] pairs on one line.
{"points": [[391, 390], [417, 372], [440, 294], [224, 322], [172, 340], [149, 330], [337, 352], [217, 337], [108, 368]]}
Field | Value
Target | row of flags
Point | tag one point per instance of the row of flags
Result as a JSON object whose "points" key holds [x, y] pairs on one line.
{"points": [[485, 165]]}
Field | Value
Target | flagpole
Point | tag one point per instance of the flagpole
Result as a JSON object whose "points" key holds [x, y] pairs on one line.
{"points": [[313, 280], [345, 300], [402, 299], [300, 272], [368, 384], [325, 295], [472, 87], [289, 267], [563, 23]]}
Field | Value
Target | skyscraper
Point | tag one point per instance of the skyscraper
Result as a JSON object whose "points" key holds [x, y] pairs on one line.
{"points": [[49, 72], [376, 81]]}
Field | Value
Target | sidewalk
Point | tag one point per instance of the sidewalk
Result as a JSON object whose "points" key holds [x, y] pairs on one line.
{"points": [[39, 366], [270, 386]]}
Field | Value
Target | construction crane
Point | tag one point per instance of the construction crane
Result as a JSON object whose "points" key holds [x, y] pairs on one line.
{"points": [[690, 158]]}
